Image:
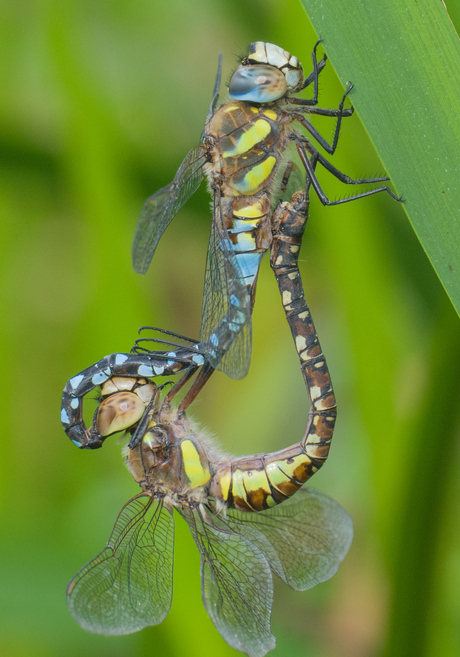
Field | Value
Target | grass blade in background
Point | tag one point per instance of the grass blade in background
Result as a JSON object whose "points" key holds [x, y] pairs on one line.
{"points": [[404, 58]]}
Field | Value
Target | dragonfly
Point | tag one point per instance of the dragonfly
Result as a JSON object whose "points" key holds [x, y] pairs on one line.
{"points": [[250, 516], [243, 153]]}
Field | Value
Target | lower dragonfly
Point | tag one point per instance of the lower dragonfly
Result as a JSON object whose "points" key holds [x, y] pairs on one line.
{"points": [[249, 516], [244, 152]]}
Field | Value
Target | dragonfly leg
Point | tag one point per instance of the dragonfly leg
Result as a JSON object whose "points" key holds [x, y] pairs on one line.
{"points": [[313, 77], [303, 145], [329, 148], [197, 385]]}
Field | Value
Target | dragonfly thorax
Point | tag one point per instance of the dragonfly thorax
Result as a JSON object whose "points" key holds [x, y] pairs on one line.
{"points": [[173, 460]]}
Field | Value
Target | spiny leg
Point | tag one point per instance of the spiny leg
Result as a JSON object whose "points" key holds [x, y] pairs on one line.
{"points": [[329, 148], [313, 77], [303, 145]]}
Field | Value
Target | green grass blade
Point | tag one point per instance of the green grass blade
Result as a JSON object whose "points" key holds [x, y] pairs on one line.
{"points": [[404, 59]]}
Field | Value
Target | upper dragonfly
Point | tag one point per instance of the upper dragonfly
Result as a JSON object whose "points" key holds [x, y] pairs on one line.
{"points": [[243, 153]]}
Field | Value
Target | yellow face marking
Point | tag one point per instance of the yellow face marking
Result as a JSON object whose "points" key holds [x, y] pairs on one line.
{"points": [[196, 474], [253, 135], [271, 114], [250, 211], [256, 176]]}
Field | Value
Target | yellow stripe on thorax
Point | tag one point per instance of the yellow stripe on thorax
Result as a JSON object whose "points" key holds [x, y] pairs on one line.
{"points": [[253, 135], [196, 473], [255, 176]]}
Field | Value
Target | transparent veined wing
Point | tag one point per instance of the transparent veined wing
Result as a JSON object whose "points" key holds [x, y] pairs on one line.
{"points": [[226, 314], [128, 586], [304, 539], [163, 206], [237, 586]]}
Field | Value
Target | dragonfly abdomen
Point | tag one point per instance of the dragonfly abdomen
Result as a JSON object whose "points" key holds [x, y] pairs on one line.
{"points": [[249, 231]]}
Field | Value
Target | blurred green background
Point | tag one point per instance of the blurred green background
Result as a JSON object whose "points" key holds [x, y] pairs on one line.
{"points": [[100, 102]]}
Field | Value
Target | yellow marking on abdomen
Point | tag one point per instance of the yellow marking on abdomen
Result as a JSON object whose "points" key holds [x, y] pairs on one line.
{"points": [[256, 176], [196, 474], [249, 138], [287, 475], [253, 487], [250, 211]]}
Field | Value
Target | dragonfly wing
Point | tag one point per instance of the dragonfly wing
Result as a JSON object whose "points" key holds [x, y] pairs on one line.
{"points": [[226, 314], [163, 206], [128, 586], [237, 586], [305, 538]]}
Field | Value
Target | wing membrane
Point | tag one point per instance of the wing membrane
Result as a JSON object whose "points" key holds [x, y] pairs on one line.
{"points": [[304, 539], [128, 586], [226, 313], [163, 206], [237, 586]]}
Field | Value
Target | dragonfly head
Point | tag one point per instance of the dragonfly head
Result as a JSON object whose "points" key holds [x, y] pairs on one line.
{"points": [[266, 74]]}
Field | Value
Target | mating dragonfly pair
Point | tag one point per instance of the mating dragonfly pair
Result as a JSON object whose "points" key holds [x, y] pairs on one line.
{"points": [[249, 516]]}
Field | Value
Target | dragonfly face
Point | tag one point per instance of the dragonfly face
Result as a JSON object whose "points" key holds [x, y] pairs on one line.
{"points": [[243, 154], [128, 586]]}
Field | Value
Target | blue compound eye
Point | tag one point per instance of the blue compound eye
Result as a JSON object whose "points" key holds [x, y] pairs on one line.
{"points": [[257, 84]]}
